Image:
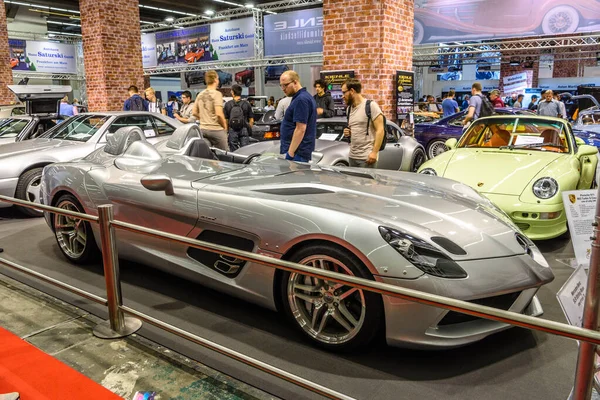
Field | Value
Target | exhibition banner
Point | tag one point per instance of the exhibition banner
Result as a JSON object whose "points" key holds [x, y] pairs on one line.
{"points": [[335, 80], [450, 20], [295, 32], [48, 57], [405, 93], [149, 50], [224, 41], [515, 83], [580, 208]]}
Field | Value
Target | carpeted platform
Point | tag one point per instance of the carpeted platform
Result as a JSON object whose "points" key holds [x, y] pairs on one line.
{"points": [[36, 375]]}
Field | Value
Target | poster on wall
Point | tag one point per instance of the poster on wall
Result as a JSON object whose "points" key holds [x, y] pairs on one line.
{"points": [[296, 32], [227, 77], [580, 207], [485, 19], [405, 93], [149, 50], [48, 57], [334, 80], [223, 41]]}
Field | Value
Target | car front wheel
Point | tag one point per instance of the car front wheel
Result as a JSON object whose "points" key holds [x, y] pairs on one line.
{"points": [[28, 188], [74, 236], [561, 19], [436, 147], [418, 159], [333, 316]]}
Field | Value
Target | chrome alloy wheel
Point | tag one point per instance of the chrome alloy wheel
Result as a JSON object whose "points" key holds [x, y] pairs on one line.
{"points": [[70, 232], [329, 312], [33, 190], [436, 148]]}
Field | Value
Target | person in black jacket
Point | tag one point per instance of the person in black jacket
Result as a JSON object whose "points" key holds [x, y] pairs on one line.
{"points": [[324, 101]]}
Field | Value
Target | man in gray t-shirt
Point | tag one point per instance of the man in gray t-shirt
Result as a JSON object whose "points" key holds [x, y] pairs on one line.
{"points": [[474, 104], [549, 107]]}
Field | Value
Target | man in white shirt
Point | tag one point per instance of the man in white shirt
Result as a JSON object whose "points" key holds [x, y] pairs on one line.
{"points": [[283, 104], [154, 104]]}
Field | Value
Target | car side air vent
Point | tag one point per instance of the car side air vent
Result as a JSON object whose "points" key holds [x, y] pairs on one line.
{"points": [[294, 191], [449, 245], [357, 174]]}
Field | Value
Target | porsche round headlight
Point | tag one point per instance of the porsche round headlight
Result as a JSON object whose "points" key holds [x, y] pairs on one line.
{"points": [[545, 188], [428, 171]]}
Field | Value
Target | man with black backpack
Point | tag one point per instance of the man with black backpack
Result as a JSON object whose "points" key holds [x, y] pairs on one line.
{"points": [[479, 105], [135, 101], [366, 126], [240, 119]]}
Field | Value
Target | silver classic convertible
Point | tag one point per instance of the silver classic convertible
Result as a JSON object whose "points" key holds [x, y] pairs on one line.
{"points": [[415, 231]]}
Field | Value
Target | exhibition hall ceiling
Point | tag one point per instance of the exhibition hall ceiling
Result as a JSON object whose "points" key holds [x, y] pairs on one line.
{"points": [[62, 17]]}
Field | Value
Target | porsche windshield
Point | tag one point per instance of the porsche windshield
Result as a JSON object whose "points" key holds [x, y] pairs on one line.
{"points": [[517, 133], [80, 128]]}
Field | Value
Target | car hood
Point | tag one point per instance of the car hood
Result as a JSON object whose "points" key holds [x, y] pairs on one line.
{"points": [[422, 205], [34, 145], [498, 171]]}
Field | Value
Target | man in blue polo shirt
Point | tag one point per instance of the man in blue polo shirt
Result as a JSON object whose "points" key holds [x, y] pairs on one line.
{"points": [[298, 129]]}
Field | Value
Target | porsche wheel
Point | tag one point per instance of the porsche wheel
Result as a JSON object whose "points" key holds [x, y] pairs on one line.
{"points": [[419, 32], [561, 19], [74, 236], [334, 316], [418, 159], [436, 147], [28, 188]]}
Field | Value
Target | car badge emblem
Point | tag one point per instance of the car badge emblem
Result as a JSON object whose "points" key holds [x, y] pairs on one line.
{"points": [[480, 184]]}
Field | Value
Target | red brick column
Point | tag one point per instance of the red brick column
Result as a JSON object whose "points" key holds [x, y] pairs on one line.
{"points": [[112, 51], [373, 38], [6, 77]]}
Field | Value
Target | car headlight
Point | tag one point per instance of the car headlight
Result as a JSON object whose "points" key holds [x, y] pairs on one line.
{"points": [[422, 255], [428, 171], [545, 188]]}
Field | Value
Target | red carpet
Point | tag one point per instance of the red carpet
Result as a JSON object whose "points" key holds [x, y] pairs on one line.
{"points": [[38, 376]]}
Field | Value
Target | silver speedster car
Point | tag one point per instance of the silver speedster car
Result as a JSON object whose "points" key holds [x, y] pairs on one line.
{"points": [[21, 163], [402, 152], [411, 230]]}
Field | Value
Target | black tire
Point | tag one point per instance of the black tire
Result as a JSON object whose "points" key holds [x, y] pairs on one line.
{"points": [[31, 178], [340, 164], [247, 82], [90, 252], [433, 146], [373, 314], [418, 159]]}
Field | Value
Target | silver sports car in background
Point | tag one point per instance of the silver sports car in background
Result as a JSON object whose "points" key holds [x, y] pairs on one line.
{"points": [[21, 163], [402, 152], [415, 231]]}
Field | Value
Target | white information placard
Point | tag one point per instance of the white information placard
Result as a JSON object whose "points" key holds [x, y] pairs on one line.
{"points": [[580, 207], [522, 139], [329, 136], [571, 296]]}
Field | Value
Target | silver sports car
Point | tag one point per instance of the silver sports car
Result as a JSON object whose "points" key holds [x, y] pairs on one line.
{"points": [[22, 162], [415, 231], [402, 152]]}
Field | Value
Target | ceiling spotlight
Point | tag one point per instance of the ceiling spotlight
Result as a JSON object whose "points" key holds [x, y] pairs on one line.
{"points": [[249, 5], [209, 12], [169, 19]]}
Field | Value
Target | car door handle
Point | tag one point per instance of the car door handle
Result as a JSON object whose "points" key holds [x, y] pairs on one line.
{"points": [[397, 145]]}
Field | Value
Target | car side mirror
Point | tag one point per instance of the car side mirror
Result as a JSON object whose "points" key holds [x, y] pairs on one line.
{"points": [[158, 183], [451, 143], [579, 141], [586, 150]]}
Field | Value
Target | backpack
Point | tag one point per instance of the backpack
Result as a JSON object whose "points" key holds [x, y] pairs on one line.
{"points": [[368, 112], [169, 109], [237, 120], [487, 108], [136, 104]]}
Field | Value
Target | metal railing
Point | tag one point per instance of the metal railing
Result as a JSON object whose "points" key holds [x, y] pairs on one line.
{"points": [[119, 326]]}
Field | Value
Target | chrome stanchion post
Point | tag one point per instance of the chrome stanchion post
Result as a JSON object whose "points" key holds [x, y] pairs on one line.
{"points": [[584, 373], [117, 325]]}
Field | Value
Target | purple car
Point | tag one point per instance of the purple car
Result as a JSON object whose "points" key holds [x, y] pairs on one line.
{"points": [[433, 135]]}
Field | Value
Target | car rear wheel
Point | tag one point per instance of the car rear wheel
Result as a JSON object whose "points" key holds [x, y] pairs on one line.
{"points": [[333, 316], [419, 32], [74, 236], [436, 147], [247, 82], [418, 159], [28, 188], [561, 19]]}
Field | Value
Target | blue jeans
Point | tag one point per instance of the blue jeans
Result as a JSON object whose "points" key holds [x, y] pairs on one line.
{"points": [[296, 158]]}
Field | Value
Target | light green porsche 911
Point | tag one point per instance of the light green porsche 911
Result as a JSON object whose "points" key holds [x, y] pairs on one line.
{"points": [[522, 164]]}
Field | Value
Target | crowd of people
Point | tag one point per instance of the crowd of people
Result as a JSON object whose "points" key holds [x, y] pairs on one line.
{"points": [[227, 126]]}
